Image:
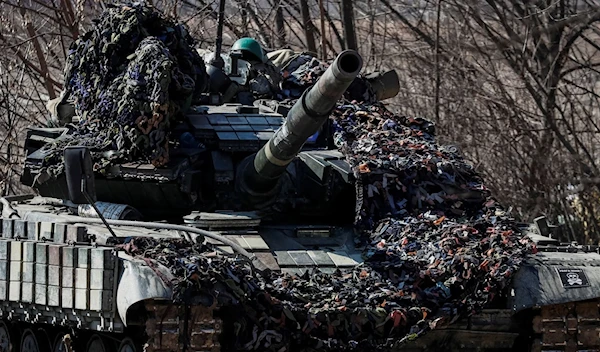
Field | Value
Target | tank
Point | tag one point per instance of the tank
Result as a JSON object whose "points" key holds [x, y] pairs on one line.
{"points": [[63, 286], [248, 181]]}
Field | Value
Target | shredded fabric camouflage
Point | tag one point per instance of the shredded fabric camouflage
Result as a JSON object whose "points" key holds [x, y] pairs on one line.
{"points": [[129, 78], [304, 71], [399, 168], [437, 247]]}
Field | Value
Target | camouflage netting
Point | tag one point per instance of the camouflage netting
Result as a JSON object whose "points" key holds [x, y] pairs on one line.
{"points": [[129, 78], [437, 247]]}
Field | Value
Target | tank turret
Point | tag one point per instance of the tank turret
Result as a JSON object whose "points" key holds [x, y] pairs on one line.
{"points": [[259, 174]]}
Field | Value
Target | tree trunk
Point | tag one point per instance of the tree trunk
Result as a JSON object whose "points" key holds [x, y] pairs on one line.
{"points": [[323, 36], [308, 27], [280, 25], [335, 31], [40, 55], [245, 21], [348, 19]]}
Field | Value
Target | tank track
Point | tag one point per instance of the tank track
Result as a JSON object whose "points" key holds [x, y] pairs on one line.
{"points": [[569, 327]]}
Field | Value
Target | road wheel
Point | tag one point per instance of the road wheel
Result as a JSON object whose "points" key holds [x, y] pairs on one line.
{"points": [[35, 341], [96, 344], [5, 338], [127, 345]]}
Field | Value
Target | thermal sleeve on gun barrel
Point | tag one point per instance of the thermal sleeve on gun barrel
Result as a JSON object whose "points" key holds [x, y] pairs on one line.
{"points": [[304, 119]]}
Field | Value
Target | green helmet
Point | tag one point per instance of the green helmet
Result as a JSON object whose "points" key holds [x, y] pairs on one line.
{"points": [[249, 46]]}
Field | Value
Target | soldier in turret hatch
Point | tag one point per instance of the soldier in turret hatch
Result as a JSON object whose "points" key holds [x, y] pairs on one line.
{"points": [[264, 77]]}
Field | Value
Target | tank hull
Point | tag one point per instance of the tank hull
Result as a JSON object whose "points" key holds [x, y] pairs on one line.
{"points": [[64, 281]]}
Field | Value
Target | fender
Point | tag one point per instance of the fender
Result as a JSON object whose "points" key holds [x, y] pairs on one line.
{"points": [[139, 282]]}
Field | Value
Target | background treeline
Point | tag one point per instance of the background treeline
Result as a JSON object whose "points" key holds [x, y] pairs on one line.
{"points": [[513, 84]]}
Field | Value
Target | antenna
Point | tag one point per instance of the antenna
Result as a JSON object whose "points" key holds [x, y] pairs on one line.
{"points": [[217, 61]]}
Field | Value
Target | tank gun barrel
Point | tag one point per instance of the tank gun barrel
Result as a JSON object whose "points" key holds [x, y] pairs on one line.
{"points": [[261, 171]]}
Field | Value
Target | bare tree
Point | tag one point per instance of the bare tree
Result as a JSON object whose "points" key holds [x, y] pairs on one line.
{"points": [[512, 83], [511, 77]]}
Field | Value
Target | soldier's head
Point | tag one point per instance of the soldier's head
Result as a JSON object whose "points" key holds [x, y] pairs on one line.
{"points": [[250, 50]]}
